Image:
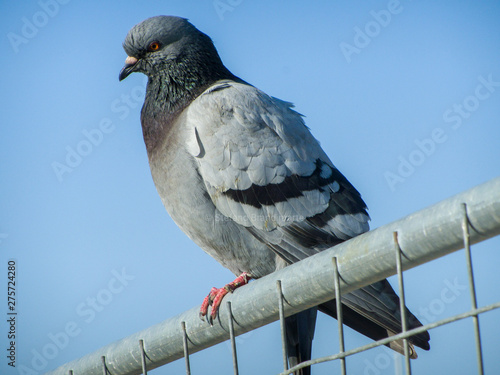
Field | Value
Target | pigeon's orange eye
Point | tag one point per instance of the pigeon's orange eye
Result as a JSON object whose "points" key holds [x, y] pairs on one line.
{"points": [[154, 46]]}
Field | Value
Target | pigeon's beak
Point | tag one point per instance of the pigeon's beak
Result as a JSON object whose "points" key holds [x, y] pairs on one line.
{"points": [[129, 67]]}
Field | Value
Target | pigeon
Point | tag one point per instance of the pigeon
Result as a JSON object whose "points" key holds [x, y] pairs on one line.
{"points": [[241, 174]]}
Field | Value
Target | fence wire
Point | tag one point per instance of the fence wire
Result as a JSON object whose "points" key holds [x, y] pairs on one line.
{"points": [[452, 224]]}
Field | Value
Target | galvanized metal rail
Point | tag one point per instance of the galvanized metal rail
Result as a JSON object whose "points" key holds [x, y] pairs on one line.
{"points": [[452, 224]]}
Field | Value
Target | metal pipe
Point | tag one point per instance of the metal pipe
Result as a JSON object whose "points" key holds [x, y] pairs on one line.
{"points": [[424, 235], [282, 325], [104, 368], [185, 348], [143, 358], [472, 289], [340, 316], [232, 338], [402, 302]]}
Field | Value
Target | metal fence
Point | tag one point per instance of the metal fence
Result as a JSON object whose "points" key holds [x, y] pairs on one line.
{"points": [[450, 225]]}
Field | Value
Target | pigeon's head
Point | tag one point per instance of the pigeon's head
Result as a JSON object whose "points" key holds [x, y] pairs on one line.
{"points": [[169, 45]]}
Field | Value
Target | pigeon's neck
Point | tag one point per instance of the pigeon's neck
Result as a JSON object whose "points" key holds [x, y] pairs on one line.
{"points": [[167, 95]]}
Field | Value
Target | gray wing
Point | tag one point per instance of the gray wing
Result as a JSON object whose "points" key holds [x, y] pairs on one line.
{"points": [[263, 169]]}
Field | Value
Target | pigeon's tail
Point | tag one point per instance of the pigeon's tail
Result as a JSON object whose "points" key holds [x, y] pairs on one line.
{"points": [[374, 311], [299, 337]]}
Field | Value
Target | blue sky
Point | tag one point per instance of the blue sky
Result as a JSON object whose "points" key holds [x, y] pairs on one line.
{"points": [[403, 96]]}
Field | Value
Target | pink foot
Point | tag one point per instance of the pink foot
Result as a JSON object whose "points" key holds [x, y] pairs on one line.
{"points": [[216, 295]]}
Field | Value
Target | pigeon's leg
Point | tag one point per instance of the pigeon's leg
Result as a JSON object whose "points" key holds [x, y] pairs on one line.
{"points": [[216, 295]]}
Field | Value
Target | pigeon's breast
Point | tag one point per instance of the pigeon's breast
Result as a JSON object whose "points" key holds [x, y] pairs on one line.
{"points": [[184, 195]]}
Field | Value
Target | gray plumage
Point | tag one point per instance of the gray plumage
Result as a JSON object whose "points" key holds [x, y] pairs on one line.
{"points": [[242, 176]]}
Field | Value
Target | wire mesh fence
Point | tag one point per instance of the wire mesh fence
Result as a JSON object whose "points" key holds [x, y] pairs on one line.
{"points": [[453, 224]]}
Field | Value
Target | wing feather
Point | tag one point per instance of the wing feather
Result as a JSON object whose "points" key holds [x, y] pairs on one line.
{"points": [[264, 170]]}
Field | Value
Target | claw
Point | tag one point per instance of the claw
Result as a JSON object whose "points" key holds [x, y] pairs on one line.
{"points": [[207, 301], [215, 297]]}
